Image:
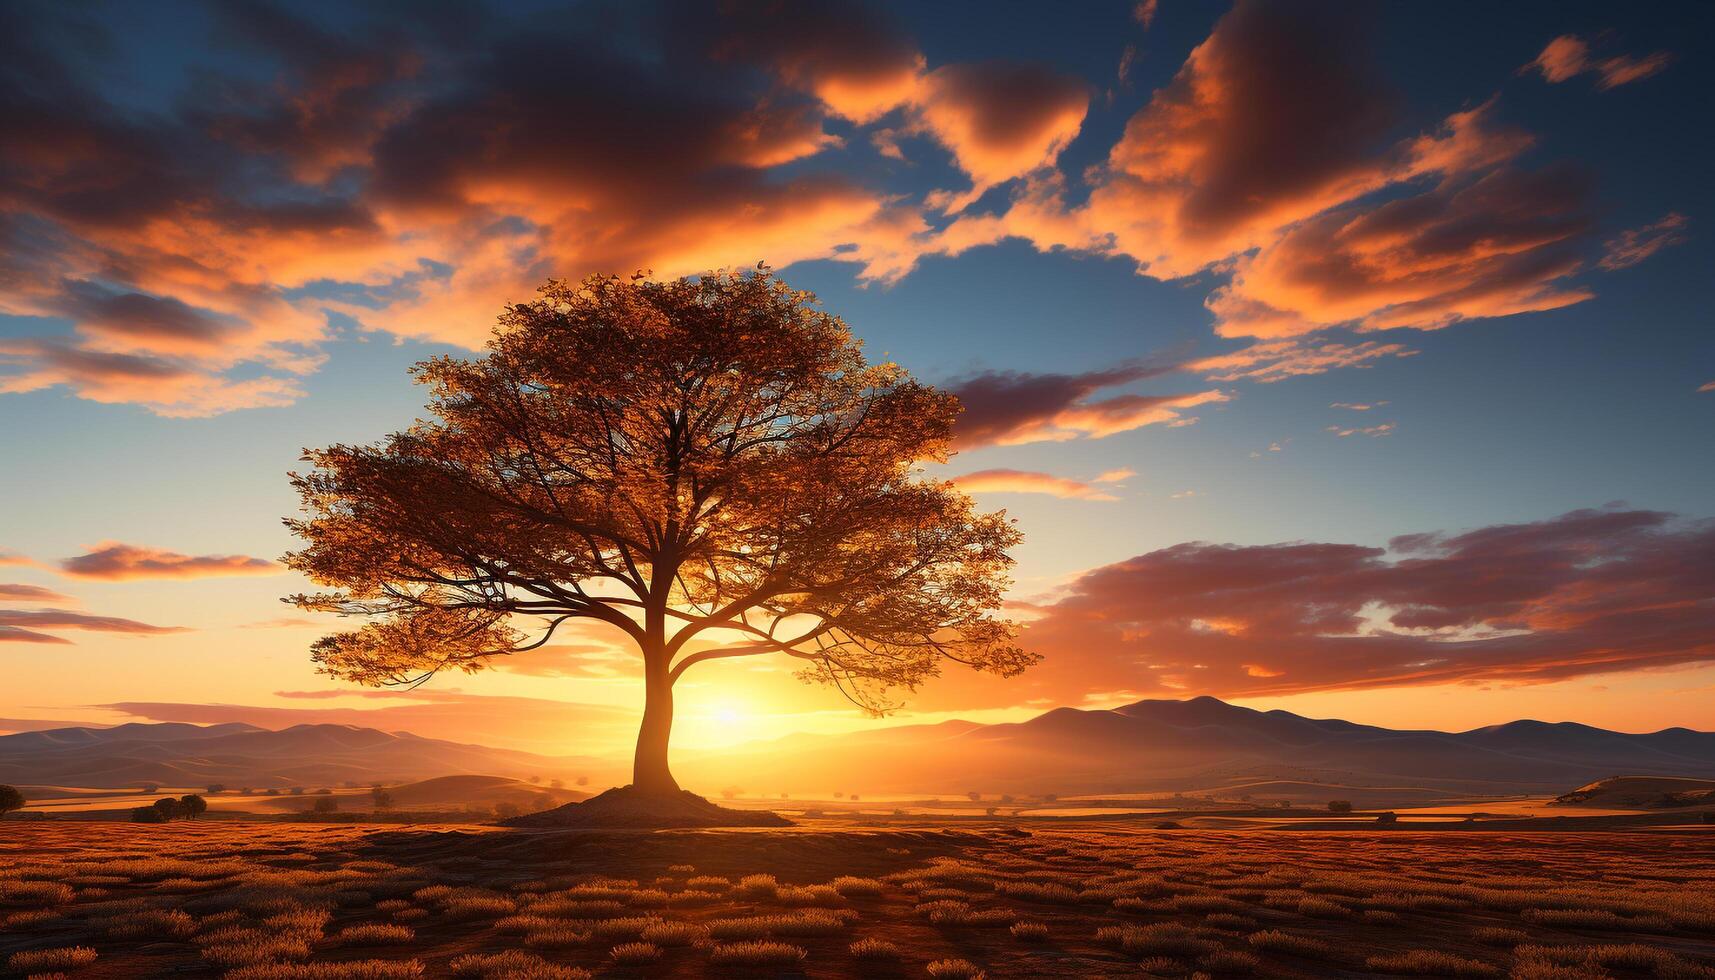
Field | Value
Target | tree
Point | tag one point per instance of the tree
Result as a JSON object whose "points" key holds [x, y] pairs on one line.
{"points": [[382, 799], [10, 799], [708, 467], [169, 808], [326, 804], [147, 814], [215, 788], [1339, 806], [151, 788], [193, 805]]}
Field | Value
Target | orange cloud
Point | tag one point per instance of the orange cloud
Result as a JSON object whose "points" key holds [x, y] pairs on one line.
{"points": [[1568, 56], [30, 593], [1637, 244], [1586, 593], [114, 561], [1026, 481], [1000, 120], [1383, 429], [22, 625], [1275, 360]]}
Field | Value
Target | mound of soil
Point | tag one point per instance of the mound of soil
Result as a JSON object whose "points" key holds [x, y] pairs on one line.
{"points": [[626, 808]]}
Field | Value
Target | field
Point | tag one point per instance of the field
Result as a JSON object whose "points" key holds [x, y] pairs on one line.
{"points": [[841, 899]]}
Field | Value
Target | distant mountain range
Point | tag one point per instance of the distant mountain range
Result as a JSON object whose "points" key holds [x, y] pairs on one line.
{"points": [[1205, 745], [1202, 746], [176, 754]]}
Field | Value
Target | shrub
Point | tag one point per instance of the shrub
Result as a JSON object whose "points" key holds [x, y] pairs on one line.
{"points": [[708, 883], [758, 886], [955, 970], [1339, 806], [1429, 962], [261, 949], [1380, 917], [46, 960], [10, 799], [874, 949], [634, 954], [35, 893], [757, 954], [1318, 908]]}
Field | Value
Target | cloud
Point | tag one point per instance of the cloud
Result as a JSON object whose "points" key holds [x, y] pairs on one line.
{"points": [[1568, 56], [1586, 593], [16, 592], [1383, 429], [1026, 481], [1357, 406], [13, 558], [1144, 12], [1013, 407], [28, 621], [1707, 386], [1000, 120], [1637, 244], [113, 560], [1268, 361]]}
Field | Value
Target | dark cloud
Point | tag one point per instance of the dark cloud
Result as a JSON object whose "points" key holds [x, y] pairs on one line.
{"points": [[1004, 407], [15, 592], [1589, 592]]}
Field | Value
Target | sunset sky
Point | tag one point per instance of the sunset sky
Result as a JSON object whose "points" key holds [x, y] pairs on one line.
{"points": [[1358, 364]]}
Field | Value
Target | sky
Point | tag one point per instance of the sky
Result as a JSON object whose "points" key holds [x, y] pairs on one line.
{"points": [[1350, 360]]}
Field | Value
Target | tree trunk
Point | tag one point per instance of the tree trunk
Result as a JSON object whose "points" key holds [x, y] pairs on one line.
{"points": [[650, 772]]}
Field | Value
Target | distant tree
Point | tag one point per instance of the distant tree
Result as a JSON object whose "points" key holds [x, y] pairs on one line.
{"points": [[731, 791], [326, 804], [1006, 797], [974, 796], [839, 796], [708, 457], [583, 780], [214, 788], [1050, 797], [1339, 806], [557, 783], [169, 808], [151, 788], [297, 791], [535, 779], [193, 805], [10, 799], [271, 791], [1387, 818], [246, 791], [854, 797], [324, 791], [382, 799], [147, 814], [505, 810], [991, 811]]}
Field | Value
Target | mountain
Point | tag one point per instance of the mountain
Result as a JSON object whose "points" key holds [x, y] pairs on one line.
{"points": [[1205, 745], [176, 754]]}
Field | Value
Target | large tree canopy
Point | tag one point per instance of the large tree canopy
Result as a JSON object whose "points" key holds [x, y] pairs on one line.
{"points": [[706, 459]]}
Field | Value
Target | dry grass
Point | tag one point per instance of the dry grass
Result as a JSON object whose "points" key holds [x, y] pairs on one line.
{"points": [[757, 954], [1431, 963], [957, 969], [48, 960], [877, 950], [634, 954], [350, 970], [375, 934], [262, 901]]}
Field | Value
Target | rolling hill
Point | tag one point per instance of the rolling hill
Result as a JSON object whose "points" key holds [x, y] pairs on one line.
{"points": [[176, 754], [1207, 745]]}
